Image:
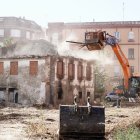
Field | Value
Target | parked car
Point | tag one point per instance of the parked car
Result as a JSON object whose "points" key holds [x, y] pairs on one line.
{"points": [[111, 96]]}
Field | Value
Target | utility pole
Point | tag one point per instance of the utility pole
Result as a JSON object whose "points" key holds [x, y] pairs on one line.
{"points": [[123, 11]]}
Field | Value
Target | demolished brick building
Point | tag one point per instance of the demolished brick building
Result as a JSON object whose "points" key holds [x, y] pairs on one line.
{"points": [[33, 72]]}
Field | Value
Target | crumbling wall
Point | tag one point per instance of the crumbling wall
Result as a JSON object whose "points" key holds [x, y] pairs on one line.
{"points": [[44, 86], [30, 88], [30, 85], [70, 88]]}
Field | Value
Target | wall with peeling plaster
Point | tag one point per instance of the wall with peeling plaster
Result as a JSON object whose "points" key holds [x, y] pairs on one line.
{"points": [[43, 87]]}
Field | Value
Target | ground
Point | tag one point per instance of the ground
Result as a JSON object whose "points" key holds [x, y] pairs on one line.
{"points": [[35, 124]]}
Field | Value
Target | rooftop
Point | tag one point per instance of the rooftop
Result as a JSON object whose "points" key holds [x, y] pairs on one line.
{"points": [[28, 49], [21, 22], [95, 24]]}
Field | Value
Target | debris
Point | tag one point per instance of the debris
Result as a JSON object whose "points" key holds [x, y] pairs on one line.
{"points": [[15, 121]]}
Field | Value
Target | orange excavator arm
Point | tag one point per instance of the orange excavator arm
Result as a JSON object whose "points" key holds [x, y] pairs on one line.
{"points": [[124, 63], [97, 41], [113, 42]]}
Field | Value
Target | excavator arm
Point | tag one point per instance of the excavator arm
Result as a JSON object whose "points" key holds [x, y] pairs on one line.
{"points": [[124, 63], [97, 41], [112, 41]]}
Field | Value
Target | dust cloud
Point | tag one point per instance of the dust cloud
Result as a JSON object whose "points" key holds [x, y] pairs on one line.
{"points": [[65, 49]]}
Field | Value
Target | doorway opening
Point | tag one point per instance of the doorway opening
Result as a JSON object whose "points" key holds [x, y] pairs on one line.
{"points": [[16, 97]]}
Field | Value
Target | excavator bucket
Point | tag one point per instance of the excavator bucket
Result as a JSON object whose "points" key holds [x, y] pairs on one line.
{"points": [[95, 40], [81, 122]]}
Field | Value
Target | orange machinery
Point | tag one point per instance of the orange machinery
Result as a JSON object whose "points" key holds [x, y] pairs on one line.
{"points": [[88, 122], [97, 41]]}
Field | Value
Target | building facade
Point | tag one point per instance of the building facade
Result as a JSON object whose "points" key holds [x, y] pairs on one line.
{"points": [[19, 29], [127, 32], [33, 73]]}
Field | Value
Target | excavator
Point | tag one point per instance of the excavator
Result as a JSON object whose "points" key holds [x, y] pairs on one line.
{"points": [[97, 41], [88, 122]]}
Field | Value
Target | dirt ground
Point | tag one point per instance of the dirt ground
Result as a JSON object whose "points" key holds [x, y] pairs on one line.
{"points": [[36, 124]]}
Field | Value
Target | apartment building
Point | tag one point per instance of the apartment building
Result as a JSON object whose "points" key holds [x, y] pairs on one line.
{"points": [[19, 29], [127, 32]]}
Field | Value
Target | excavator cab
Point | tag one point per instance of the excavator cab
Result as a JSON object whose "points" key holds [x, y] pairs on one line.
{"points": [[134, 86]]}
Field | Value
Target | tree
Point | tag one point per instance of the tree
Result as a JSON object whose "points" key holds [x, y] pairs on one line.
{"points": [[8, 42], [99, 78]]}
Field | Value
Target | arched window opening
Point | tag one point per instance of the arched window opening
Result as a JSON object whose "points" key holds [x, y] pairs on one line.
{"points": [[71, 71], [88, 72], [60, 69], [80, 72]]}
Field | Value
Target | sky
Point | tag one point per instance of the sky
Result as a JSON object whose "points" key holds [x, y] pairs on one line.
{"points": [[44, 11]]}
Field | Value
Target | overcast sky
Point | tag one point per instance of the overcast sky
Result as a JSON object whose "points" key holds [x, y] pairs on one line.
{"points": [[44, 11]]}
